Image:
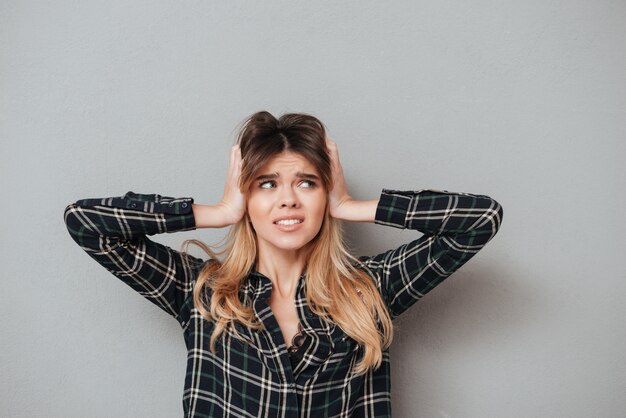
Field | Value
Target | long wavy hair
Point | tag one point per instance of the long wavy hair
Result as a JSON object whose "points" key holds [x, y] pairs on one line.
{"points": [[336, 289]]}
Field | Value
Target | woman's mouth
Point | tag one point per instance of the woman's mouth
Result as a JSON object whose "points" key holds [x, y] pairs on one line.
{"points": [[288, 221], [288, 225]]}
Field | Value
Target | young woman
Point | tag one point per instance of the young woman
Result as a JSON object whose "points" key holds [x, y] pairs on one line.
{"points": [[288, 323]]}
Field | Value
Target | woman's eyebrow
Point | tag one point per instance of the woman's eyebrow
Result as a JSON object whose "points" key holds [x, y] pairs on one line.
{"points": [[275, 175]]}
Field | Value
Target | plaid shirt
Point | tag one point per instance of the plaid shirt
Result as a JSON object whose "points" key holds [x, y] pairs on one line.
{"points": [[256, 378]]}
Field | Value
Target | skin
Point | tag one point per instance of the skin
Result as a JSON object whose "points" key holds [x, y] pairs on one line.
{"points": [[281, 255]]}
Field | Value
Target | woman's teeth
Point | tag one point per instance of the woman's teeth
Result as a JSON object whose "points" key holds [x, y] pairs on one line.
{"points": [[289, 222]]}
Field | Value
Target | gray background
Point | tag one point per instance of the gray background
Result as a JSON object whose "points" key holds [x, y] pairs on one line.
{"points": [[522, 101]]}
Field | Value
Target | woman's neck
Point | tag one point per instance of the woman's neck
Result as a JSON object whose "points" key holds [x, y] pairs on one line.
{"points": [[283, 268]]}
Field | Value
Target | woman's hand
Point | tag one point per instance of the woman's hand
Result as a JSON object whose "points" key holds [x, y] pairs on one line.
{"points": [[338, 197], [233, 203], [342, 205]]}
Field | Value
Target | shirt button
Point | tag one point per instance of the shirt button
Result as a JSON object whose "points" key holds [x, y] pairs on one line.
{"points": [[184, 204], [292, 385], [133, 205], [309, 314]]}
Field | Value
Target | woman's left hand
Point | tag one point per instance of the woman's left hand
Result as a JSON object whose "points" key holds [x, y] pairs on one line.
{"points": [[338, 197]]}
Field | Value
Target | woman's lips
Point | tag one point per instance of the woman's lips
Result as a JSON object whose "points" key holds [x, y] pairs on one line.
{"points": [[289, 228]]}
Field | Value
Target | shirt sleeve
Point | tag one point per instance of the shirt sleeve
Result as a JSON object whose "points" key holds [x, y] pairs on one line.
{"points": [[114, 232], [455, 227]]}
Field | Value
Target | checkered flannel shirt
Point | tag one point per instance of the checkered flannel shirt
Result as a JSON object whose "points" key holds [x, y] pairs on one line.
{"points": [[255, 378]]}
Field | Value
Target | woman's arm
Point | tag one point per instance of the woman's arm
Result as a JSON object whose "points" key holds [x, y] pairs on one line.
{"points": [[455, 227], [114, 232], [357, 210], [211, 216]]}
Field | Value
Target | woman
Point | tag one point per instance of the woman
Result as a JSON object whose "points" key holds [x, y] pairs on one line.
{"points": [[288, 323]]}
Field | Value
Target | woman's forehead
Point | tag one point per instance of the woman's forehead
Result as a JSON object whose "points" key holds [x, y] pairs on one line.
{"points": [[288, 162]]}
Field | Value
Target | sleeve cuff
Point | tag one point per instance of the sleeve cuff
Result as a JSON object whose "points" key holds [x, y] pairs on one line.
{"points": [[151, 203], [179, 210], [392, 208], [159, 204]]}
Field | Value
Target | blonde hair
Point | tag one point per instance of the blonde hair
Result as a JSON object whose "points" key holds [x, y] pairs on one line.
{"points": [[336, 290]]}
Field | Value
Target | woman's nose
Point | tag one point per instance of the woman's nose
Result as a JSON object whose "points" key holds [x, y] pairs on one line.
{"points": [[288, 198], [288, 201]]}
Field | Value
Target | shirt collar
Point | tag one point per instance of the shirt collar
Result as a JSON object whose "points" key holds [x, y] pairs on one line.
{"points": [[259, 285]]}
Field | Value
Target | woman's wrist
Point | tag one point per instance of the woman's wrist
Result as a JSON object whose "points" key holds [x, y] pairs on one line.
{"points": [[357, 210], [210, 216]]}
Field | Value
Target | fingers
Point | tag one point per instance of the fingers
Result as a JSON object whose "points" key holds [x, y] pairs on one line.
{"points": [[233, 199], [235, 154], [334, 156], [332, 149], [336, 169], [235, 159], [331, 144]]}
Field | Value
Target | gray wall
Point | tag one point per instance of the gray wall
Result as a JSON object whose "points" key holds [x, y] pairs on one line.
{"points": [[522, 101]]}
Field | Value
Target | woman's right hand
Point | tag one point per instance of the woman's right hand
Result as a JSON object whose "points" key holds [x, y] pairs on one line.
{"points": [[233, 203]]}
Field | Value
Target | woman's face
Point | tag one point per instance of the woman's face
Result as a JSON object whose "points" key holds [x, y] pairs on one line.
{"points": [[286, 187]]}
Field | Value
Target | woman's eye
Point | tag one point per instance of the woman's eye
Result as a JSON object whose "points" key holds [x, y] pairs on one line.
{"points": [[270, 184]]}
